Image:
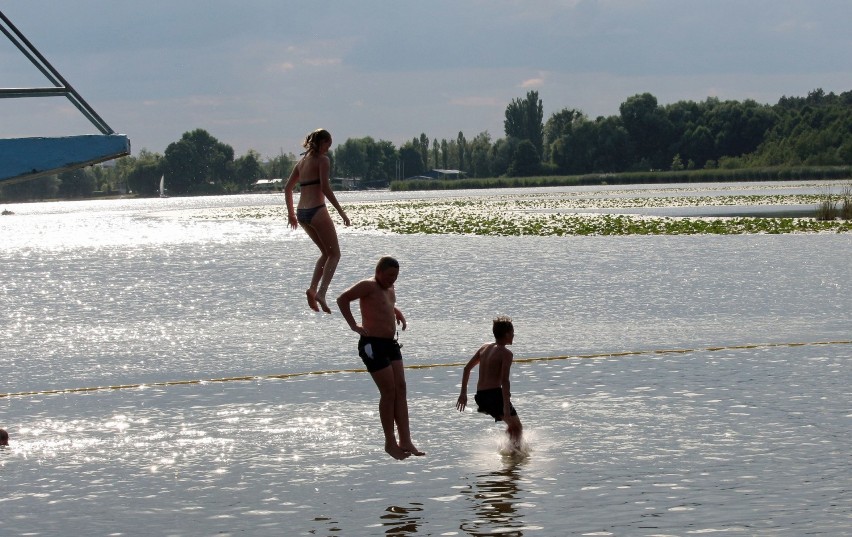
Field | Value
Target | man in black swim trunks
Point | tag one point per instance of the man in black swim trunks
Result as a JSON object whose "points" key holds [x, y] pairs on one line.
{"points": [[492, 389], [380, 351]]}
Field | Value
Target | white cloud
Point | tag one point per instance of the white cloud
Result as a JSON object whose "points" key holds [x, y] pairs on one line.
{"points": [[282, 67], [322, 62], [532, 83]]}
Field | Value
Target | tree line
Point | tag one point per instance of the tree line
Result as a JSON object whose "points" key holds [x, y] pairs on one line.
{"points": [[815, 130], [196, 164]]}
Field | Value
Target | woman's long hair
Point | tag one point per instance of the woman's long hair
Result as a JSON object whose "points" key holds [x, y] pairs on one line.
{"points": [[314, 139]]}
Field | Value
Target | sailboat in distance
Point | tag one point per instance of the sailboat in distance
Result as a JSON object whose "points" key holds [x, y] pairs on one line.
{"points": [[163, 187]]}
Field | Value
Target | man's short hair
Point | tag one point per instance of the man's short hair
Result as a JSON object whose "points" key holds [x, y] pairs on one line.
{"points": [[502, 326]]}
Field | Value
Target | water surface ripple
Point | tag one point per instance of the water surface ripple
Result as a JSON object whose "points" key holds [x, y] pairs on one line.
{"points": [[723, 438]]}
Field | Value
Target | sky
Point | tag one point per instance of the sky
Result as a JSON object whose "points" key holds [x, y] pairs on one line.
{"points": [[261, 74]]}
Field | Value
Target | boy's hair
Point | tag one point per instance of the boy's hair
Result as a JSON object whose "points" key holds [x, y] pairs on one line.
{"points": [[502, 326], [386, 262]]}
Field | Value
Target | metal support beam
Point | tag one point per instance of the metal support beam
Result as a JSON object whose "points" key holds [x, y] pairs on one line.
{"points": [[27, 158], [60, 84]]}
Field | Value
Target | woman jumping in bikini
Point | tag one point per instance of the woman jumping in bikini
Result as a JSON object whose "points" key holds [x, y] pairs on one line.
{"points": [[311, 174]]}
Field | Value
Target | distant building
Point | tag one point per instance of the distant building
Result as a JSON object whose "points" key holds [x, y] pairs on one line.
{"points": [[348, 183], [268, 185], [441, 174]]}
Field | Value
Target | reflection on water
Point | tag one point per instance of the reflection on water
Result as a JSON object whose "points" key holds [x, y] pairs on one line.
{"points": [[637, 444], [402, 521], [495, 497]]}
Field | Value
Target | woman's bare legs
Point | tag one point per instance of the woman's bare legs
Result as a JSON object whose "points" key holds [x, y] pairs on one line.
{"points": [[385, 381], [311, 292], [321, 230]]}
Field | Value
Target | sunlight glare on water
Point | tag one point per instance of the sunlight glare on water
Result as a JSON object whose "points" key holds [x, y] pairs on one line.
{"points": [[738, 433]]}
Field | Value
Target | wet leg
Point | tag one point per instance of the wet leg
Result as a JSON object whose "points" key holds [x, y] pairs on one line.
{"points": [[325, 236], [385, 382], [401, 409], [319, 267]]}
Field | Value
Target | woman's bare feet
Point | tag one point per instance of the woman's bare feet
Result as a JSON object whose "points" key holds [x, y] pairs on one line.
{"points": [[396, 452], [320, 299], [312, 299], [409, 448]]}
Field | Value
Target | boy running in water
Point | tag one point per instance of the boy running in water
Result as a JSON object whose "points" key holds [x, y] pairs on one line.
{"points": [[492, 389]]}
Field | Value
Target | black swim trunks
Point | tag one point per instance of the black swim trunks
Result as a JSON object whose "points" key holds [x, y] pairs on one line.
{"points": [[305, 216], [491, 402], [378, 352]]}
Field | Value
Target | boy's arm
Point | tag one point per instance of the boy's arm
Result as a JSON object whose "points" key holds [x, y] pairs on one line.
{"points": [[400, 318], [462, 400], [505, 383], [344, 301]]}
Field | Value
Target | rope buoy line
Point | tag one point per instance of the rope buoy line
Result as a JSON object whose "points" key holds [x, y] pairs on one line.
{"points": [[286, 376]]}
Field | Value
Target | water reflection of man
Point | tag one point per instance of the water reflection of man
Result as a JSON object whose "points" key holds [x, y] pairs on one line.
{"points": [[401, 521], [496, 494]]}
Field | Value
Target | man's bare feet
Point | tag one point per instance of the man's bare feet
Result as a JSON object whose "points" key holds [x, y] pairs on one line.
{"points": [[409, 448], [320, 299], [396, 452], [312, 299]]}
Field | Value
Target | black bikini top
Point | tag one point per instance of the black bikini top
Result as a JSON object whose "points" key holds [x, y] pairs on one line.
{"points": [[310, 183]]}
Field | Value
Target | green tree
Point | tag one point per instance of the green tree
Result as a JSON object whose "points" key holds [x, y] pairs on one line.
{"points": [[382, 157], [559, 124], [436, 150], [815, 130], [373, 162], [280, 166], [122, 168], [76, 184], [45, 187], [525, 160], [411, 162], [573, 152], [248, 169], [739, 128], [478, 163], [144, 178], [524, 119], [649, 129], [445, 154], [424, 149], [351, 158], [697, 144], [196, 161], [461, 146], [500, 155], [611, 147]]}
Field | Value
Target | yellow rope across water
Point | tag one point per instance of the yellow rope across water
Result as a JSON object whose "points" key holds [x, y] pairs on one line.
{"points": [[285, 376]]}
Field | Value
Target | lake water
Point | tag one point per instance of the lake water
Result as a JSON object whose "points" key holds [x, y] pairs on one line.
{"points": [[669, 385]]}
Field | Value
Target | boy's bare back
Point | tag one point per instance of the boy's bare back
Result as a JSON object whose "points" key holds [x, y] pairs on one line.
{"points": [[493, 358]]}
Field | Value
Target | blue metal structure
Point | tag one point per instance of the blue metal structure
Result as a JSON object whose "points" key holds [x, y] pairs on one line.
{"points": [[27, 158]]}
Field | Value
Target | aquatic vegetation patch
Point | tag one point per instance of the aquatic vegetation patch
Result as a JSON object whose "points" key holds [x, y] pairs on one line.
{"points": [[448, 221], [555, 214]]}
